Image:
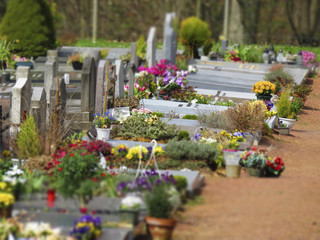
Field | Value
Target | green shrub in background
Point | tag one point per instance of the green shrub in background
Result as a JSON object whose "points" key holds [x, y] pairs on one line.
{"points": [[28, 141], [141, 49], [207, 46], [284, 109], [30, 25], [193, 33], [182, 62]]}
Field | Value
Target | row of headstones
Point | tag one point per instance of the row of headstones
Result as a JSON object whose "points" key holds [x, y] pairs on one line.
{"points": [[169, 53]]}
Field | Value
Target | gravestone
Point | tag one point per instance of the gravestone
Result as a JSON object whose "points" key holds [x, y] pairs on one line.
{"points": [[151, 47], [39, 108], [119, 87], [88, 88], [132, 68], [100, 89], [50, 84], [224, 46], [21, 98], [170, 39]]}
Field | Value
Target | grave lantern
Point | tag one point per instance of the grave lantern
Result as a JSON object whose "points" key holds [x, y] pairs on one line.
{"points": [[280, 57], [299, 58], [272, 54], [265, 56]]}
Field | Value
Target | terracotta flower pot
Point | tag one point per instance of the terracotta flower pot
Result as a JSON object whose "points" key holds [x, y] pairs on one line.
{"points": [[160, 228]]}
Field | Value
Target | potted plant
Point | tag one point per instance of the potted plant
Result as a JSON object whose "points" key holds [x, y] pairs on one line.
{"points": [[274, 167], [264, 89], [284, 110], [283, 129], [254, 161], [6, 200], [76, 60], [103, 125], [160, 224], [231, 154]]}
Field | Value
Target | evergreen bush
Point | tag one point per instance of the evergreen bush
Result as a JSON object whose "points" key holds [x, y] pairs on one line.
{"points": [[30, 25], [193, 33]]}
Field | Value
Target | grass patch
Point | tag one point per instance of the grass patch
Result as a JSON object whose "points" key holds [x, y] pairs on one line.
{"points": [[196, 201]]}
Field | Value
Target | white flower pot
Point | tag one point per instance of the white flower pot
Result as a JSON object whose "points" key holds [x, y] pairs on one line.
{"points": [[103, 133], [232, 159], [288, 121]]}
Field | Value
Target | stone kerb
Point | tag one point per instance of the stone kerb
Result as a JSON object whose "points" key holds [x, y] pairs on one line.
{"points": [[88, 87]]}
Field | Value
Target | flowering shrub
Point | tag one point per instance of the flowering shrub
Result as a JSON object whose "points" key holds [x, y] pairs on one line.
{"points": [[309, 59], [274, 167], [104, 120], [160, 69], [146, 182], [87, 228], [264, 88]]}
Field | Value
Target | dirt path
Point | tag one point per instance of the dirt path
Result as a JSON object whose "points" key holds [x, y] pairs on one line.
{"points": [[261, 208]]}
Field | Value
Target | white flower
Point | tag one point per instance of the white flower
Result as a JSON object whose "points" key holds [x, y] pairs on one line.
{"points": [[194, 101], [15, 170], [131, 202], [123, 169]]}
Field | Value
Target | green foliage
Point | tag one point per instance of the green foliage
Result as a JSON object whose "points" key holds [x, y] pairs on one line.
{"points": [[183, 135], [227, 103], [75, 136], [193, 33], [181, 182], [182, 62], [158, 204], [190, 117], [5, 162], [141, 48], [296, 106], [136, 126], [196, 201], [284, 105], [302, 91], [104, 53], [5, 52], [30, 24], [73, 171], [189, 150], [28, 141], [158, 114], [207, 46], [212, 120]]}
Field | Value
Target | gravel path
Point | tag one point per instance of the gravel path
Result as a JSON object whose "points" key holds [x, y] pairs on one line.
{"points": [[262, 208]]}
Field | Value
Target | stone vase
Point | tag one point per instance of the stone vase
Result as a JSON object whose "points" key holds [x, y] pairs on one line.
{"points": [[103, 133], [232, 158]]}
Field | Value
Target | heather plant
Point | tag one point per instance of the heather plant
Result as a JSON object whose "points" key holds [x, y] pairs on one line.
{"points": [[246, 116], [151, 127]]}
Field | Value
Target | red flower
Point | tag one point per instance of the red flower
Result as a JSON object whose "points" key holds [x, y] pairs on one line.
{"points": [[83, 154], [71, 154], [56, 162], [254, 148], [60, 169], [102, 175], [113, 173], [83, 210], [95, 179], [93, 212]]}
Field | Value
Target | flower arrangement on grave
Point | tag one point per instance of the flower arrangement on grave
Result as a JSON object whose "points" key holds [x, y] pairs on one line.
{"points": [[6, 199], [309, 59], [143, 153], [264, 89], [201, 99], [255, 158], [87, 228], [274, 167], [145, 85], [103, 120], [75, 170], [76, 57], [265, 106], [279, 77], [232, 56], [120, 150]]}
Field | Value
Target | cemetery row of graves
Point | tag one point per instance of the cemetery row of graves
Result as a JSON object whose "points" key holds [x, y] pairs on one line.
{"points": [[130, 144]]}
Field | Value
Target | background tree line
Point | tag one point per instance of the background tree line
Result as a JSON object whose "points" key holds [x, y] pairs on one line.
{"points": [[250, 21]]}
